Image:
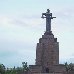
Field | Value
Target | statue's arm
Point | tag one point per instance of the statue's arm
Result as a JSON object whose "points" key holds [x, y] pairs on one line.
{"points": [[43, 15]]}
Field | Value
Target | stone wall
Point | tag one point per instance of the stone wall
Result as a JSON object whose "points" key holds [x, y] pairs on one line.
{"points": [[70, 72], [59, 68], [35, 68], [47, 51]]}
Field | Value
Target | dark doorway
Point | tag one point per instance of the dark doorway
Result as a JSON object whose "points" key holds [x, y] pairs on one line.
{"points": [[47, 70]]}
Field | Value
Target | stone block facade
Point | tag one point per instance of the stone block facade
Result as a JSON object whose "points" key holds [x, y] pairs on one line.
{"points": [[35, 68], [47, 56], [47, 51]]}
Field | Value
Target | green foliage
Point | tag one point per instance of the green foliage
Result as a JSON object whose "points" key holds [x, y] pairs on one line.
{"points": [[25, 66], [2, 69], [69, 67], [11, 71], [14, 70]]}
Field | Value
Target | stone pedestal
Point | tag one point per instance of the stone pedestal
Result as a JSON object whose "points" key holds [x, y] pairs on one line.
{"points": [[47, 52]]}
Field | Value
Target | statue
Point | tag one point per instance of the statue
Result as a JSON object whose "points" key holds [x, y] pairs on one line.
{"points": [[48, 17]]}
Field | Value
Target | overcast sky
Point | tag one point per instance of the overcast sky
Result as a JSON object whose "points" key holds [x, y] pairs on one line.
{"points": [[21, 26]]}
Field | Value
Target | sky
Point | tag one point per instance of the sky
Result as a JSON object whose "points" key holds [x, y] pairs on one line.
{"points": [[21, 26]]}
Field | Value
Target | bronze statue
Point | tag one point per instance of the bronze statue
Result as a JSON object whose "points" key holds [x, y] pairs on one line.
{"points": [[48, 17]]}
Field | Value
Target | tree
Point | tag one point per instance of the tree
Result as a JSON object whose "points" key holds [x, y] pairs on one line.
{"points": [[2, 69], [25, 66], [69, 67], [14, 70]]}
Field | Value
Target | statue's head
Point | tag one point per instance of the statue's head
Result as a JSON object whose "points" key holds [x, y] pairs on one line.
{"points": [[48, 11]]}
